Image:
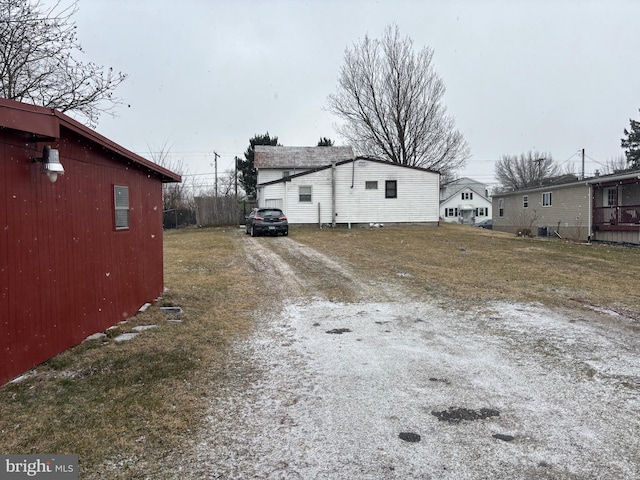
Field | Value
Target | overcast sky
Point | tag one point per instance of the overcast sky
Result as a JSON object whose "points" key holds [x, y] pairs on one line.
{"points": [[205, 76]]}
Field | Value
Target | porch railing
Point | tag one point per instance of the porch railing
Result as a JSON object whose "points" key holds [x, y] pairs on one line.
{"points": [[617, 217]]}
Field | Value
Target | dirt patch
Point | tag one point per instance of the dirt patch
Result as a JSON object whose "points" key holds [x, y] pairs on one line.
{"points": [[458, 414], [409, 437], [338, 331]]}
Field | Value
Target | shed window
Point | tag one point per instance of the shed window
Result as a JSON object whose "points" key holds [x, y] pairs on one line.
{"points": [[121, 203], [525, 201], [304, 193], [391, 189], [501, 207], [371, 185], [546, 199]]}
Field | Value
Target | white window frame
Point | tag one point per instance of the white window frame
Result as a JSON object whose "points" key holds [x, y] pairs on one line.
{"points": [[547, 199], [122, 215], [501, 207], [304, 197], [610, 197], [371, 185]]}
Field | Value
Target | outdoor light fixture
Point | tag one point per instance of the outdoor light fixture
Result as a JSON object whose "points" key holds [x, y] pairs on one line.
{"points": [[51, 165]]}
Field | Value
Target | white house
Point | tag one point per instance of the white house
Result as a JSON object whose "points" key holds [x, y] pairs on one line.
{"points": [[465, 201], [351, 192]]}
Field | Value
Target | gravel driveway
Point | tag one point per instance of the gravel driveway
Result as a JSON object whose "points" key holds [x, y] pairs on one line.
{"points": [[389, 388]]}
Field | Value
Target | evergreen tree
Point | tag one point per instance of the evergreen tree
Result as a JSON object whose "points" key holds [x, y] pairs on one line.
{"points": [[631, 144], [325, 142], [248, 173]]}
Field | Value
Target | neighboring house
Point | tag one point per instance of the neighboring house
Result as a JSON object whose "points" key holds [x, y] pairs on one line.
{"points": [[355, 191], [604, 208], [464, 201], [80, 247]]}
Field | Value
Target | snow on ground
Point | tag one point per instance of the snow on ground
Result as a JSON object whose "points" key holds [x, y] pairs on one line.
{"points": [[301, 403]]}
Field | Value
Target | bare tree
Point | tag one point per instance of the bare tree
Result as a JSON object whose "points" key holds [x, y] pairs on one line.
{"points": [[175, 196], [616, 165], [523, 221], [39, 61], [390, 100], [228, 184], [527, 170]]}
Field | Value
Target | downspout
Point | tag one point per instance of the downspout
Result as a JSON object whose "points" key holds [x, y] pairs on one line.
{"points": [[333, 194], [590, 213], [286, 195], [353, 172]]}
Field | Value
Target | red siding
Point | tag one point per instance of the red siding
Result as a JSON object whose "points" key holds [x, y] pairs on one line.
{"points": [[65, 272]]}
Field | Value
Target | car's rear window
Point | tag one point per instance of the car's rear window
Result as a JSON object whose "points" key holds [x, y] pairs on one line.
{"points": [[270, 213]]}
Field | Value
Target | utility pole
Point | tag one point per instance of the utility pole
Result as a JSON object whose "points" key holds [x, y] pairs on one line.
{"points": [[215, 161], [236, 175], [539, 162], [582, 178]]}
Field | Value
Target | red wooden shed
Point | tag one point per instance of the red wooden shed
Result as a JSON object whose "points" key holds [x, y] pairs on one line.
{"points": [[80, 249]]}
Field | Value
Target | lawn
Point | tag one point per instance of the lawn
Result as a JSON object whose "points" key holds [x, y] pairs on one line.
{"points": [[137, 404]]}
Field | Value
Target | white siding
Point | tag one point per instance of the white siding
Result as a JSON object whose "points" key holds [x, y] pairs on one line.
{"points": [[456, 202], [417, 199]]}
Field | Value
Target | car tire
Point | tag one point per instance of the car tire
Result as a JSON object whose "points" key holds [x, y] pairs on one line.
{"points": [[285, 233]]}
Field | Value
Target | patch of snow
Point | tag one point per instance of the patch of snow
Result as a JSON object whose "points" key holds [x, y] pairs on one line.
{"points": [[334, 406]]}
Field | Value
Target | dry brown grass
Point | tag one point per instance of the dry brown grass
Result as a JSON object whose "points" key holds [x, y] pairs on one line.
{"points": [[470, 264], [138, 404]]}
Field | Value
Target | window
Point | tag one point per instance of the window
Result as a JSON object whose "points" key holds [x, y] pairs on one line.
{"points": [[121, 203], [371, 185], [501, 207], [285, 173], [546, 199], [467, 195], [450, 212], [391, 189], [304, 193], [525, 201], [611, 197], [481, 211]]}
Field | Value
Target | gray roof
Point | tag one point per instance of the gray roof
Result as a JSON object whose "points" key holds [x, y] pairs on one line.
{"points": [[267, 156]]}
